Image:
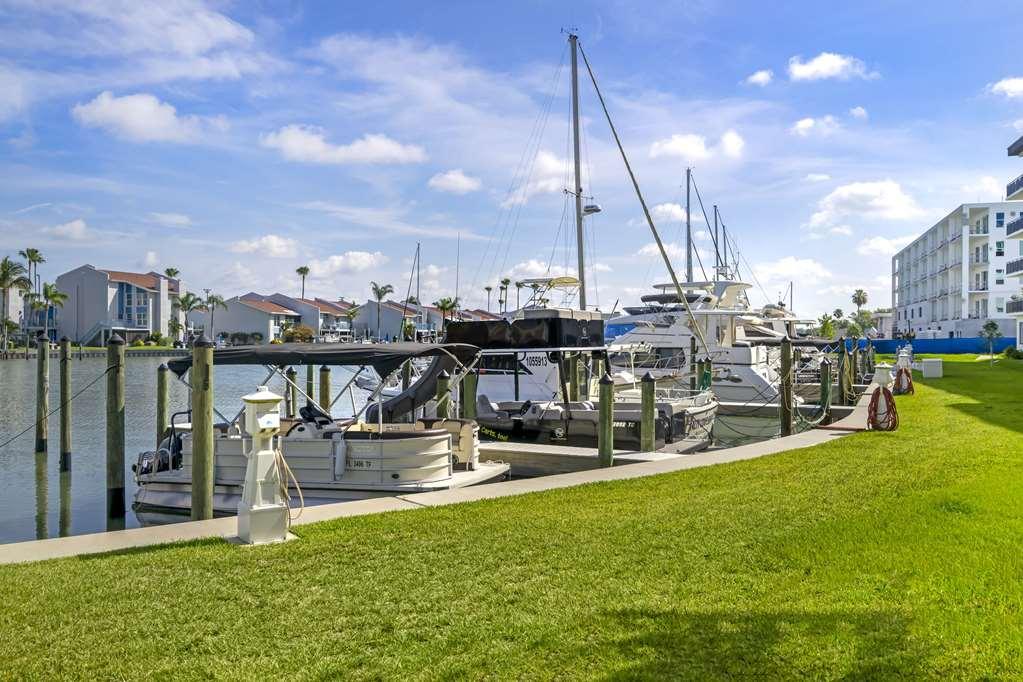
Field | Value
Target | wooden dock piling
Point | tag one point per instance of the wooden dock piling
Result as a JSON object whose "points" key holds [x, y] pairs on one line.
{"points": [[65, 404], [443, 395], [647, 433], [841, 372], [291, 393], [468, 395], [162, 402], [202, 429], [115, 427], [785, 392], [42, 391], [325, 388], [692, 363], [606, 421], [573, 378], [310, 385]]}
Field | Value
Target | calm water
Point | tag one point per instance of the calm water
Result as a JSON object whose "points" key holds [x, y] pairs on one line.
{"points": [[40, 502]]}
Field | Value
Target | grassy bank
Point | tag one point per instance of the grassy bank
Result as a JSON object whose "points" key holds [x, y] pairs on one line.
{"points": [[875, 555]]}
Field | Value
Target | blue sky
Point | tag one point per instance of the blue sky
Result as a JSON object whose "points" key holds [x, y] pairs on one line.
{"points": [[237, 141]]}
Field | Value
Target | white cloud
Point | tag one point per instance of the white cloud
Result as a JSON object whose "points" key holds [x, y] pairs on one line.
{"points": [[669, 213], [790, 268], [387, 219], [141, 118], [859, 112], [828, 65], [817, 177], [1009, 87], [689, 147], [883, 199], [74, 230], [761, 78], [702, 235], [171, 219], [308, 144], [1018, 125], [538, 268], [674, 250], [732, 144], [548, 175], [842, 230], [985, 188], [151, 259], [823, 126], [601, 267], [692, 147], [454, 181], [882, 246], [347, 262], [270, 245]]}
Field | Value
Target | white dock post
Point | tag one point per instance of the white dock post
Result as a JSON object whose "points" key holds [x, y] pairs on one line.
{"points": [[262, 511]]}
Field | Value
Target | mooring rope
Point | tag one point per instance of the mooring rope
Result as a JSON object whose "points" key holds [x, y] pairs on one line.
{"points": [[58, 408]]}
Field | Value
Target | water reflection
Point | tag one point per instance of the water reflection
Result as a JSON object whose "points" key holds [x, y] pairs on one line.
{"points": [[42, 492], [27, 478]]}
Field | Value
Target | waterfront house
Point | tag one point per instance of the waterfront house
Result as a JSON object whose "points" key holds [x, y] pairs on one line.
{"points": [[102, 302], [252, 317], [327, 319]]}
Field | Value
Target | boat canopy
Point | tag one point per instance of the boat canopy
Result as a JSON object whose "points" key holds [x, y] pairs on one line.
{"points": [[383, 357]]}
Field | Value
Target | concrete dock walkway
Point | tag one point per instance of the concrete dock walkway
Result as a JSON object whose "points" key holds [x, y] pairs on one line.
{"points": [[227, 527]]}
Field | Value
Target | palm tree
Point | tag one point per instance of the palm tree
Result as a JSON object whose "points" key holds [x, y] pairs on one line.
{"points": [[174, 328], [446, 305], [52, 297], [13, 275], [33, 257], [859, 299], [488, 289], [838, 314], [380, 292], [186, 303], [302, 272], [214, 301], [504, 293], [171, 273]]}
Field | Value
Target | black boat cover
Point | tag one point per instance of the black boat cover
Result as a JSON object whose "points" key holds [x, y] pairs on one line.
{"points": [[383, 357]]}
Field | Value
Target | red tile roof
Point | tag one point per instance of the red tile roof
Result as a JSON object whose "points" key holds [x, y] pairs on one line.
{"points": [[267, 306], [332, 307], [144, 280]]}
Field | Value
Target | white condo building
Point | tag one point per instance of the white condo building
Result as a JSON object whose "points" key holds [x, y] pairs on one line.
{"points": [[953, 278], [1014, 268]]}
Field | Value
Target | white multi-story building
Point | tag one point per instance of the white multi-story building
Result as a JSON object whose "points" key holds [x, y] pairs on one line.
{"points": [[950, 280], [1014, 235], [102, 302]]}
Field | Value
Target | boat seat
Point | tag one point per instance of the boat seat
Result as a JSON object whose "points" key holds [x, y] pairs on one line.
{"points": [[485, 408]]}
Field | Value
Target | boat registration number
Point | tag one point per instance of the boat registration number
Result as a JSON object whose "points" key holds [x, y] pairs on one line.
{"points": [[361, 464]]}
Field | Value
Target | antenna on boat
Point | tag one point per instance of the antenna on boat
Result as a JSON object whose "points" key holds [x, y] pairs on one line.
{"points": [[573, 41]]}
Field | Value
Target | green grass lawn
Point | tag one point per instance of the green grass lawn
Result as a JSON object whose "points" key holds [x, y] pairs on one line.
{"points": [[876, 555]]}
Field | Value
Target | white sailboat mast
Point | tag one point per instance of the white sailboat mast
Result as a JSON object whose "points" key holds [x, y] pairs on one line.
{"points": [[573, 40]]}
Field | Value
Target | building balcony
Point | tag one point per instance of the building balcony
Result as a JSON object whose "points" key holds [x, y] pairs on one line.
{"points": [[1014, 187], [979, 260], [1014, 307], [979, 231], [1014, 267], [1014, 228], [982, 289]]}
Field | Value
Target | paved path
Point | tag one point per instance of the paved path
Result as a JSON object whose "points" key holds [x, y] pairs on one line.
{"points": [[227, 527]]}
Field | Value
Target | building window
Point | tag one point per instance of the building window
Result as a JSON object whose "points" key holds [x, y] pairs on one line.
{"points": [[999, 305], [986, 223], [999, 248], [999, 220], [999, 279]]}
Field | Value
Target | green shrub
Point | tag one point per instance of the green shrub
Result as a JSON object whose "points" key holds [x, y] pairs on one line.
{"points": [[1013, 353], [138, 343], [299, 333]]}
